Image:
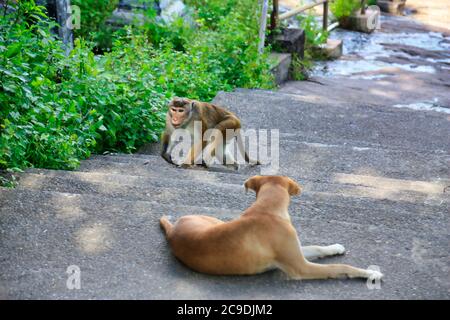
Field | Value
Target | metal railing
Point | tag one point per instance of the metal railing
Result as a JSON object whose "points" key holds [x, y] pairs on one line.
{"points": [[276, 17]]}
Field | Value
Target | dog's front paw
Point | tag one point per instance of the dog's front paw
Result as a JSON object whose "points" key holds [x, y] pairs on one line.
{"points": [[337, 248], [374, 275]]}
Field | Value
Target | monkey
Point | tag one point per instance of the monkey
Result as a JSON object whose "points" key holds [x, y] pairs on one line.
{"points": [[184, 112]]}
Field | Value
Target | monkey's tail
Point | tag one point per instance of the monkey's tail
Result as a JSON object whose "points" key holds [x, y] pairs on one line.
{"points": [[166, 225]]}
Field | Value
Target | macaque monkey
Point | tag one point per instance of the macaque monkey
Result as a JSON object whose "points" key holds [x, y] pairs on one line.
{"points": [[183, 113]]}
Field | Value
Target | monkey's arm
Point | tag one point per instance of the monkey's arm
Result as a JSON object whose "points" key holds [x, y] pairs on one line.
{"points": [[229, 122]]}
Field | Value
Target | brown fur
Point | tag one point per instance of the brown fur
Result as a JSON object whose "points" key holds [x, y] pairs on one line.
{"points": [[262, 238], [211, 117]]}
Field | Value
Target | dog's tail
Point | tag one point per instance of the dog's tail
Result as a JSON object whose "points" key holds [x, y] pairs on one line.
{"points": [[166, 225]]}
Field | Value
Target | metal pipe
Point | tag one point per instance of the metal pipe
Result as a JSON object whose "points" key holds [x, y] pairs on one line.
{"points": [[262, 27], [333, 26]]}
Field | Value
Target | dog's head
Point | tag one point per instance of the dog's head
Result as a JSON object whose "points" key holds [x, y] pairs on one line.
{"points": [[254, 183]]}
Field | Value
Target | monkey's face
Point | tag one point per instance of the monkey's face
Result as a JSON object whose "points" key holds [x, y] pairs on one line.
{"points": [[179, 110], [179, 115]]}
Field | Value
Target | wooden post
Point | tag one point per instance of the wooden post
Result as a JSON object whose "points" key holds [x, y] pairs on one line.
{"points": [[325, 16], [263, 25], [274, 15], [363, 6]]}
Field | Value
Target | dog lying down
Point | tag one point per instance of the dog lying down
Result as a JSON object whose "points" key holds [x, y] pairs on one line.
{"points": [[261, 239]]}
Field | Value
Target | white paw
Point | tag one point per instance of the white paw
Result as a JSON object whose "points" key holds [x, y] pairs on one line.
{"points": [[374, 275], [337, 248]]}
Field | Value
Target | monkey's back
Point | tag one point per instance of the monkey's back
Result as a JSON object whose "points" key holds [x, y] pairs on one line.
{"points": [[214, 114]]}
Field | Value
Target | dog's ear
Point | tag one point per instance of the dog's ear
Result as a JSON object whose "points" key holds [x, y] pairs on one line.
{"points": [[294, 188], [253, 183]]}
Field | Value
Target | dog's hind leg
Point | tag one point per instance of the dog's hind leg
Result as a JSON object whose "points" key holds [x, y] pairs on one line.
{"points": [[291, 260], [317, 252]]}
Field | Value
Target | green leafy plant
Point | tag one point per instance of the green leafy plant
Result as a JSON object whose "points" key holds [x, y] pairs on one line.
{"points": [[300, 67], [8, 179], [315, 37], [56, 110], [314, 33], [344, 8], [210, 13], [94, 14]]}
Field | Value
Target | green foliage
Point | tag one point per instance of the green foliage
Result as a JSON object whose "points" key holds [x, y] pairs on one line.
{"points": [[232, 48], [300, 67], [224, 42], [211, 12], [8, 179], [56, 110], [32, 117], [94, 14], [315, 36], [178, 32], [344, 8], [314, 33]]}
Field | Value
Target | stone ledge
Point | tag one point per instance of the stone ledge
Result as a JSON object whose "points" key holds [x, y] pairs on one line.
{"points": [[392, 6], [281, 64], [366, 22], [291, 40], [332, 49]]}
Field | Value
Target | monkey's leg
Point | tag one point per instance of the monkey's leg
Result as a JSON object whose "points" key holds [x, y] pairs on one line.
{"points": [[241, 149], [193, 154], [229, 160], [215, 148]]}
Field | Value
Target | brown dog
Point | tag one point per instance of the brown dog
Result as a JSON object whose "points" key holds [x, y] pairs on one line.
{"points": [[262, 238]]}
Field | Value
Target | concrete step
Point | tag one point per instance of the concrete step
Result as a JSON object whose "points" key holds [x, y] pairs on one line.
{"points": [[156, 166], [352, 185], [392, 6], [122, 253], [70, 207], [300, 160], [332, 49], [334, 124], [280, 66], [347, 201]]}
